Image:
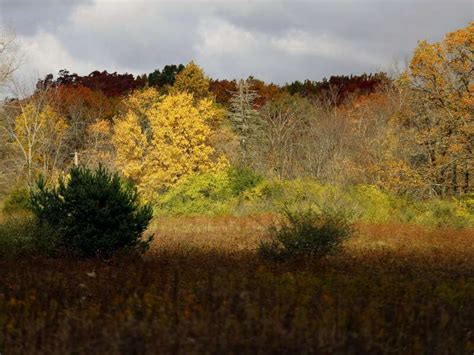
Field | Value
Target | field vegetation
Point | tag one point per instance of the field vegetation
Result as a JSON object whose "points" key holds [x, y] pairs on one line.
{"points": [[202, 288]]}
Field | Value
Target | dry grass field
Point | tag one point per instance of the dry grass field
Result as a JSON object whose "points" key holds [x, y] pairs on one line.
{"points": [[203, 289]]}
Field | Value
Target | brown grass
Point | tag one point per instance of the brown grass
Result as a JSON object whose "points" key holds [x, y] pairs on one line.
{"points": [[203, 289]]}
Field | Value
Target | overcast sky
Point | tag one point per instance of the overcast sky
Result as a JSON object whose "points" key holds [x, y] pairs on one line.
{"points": [[276, 41]]}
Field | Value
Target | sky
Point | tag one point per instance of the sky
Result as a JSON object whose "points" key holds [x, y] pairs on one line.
{"points": [[277, 41]]}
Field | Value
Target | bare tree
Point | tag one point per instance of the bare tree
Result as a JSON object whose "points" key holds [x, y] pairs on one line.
{"points": [[8, 64], [9, 60], [244, 116], [285, 122]]}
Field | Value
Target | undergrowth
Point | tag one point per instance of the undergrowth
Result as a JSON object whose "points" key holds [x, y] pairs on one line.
{"points": [[216, 194]]}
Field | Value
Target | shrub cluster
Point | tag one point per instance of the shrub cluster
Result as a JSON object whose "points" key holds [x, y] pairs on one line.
{"points": [[210, 193], [240, 191]]}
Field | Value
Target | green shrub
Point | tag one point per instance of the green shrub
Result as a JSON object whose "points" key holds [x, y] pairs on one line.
{"points": [[210, 193], [370, 204], [16, 201], [300, 193], [242, 179], [467, 202], [267, 191], [239, 191], [93, 211], [308, 233], [21, 235], [444, 213], [203, 194]]}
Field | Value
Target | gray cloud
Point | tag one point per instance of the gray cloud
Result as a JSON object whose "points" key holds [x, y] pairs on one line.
{"points": [[28, 16], [275, 40]]}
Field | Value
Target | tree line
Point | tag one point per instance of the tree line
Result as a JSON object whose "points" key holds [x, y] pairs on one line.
{"points": [[411, 134]]}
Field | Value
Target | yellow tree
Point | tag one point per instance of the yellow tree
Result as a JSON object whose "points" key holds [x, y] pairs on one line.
{"points": [[171, 144], [98, 149], [440, 121], [193, 81], [131, 144], [38, 133]]}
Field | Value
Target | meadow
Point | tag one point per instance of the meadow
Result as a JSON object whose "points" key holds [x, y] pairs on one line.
{"points": [[202, 288]]}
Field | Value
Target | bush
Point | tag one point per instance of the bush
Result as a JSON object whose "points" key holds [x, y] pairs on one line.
{"points": [[242, 179], [308, 233], [210, 193], [444, 214], [21, 235], [18, 200], [267, 193], [203, 194], [371, 204], [93, 211]]}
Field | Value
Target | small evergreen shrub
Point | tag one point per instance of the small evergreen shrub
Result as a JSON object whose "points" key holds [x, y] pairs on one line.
{"points": [[94, 212], [307, 233]]}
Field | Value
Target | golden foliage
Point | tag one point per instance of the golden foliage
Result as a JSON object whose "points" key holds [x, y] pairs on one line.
{"points": [[130, 144], [192, 80], [169, 141], [39, 132], [440, 122], [98, 149]]}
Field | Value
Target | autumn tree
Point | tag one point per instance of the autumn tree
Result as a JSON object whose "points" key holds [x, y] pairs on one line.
{"points": [[370, 151], [441, 120], [265, 91], [345, 86], [284, 124], [82, 107], [110, 84], [9, 165], [193, 81], [36, 133], [98, 150], [223, 90], [133, 133], [160, 140]]}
